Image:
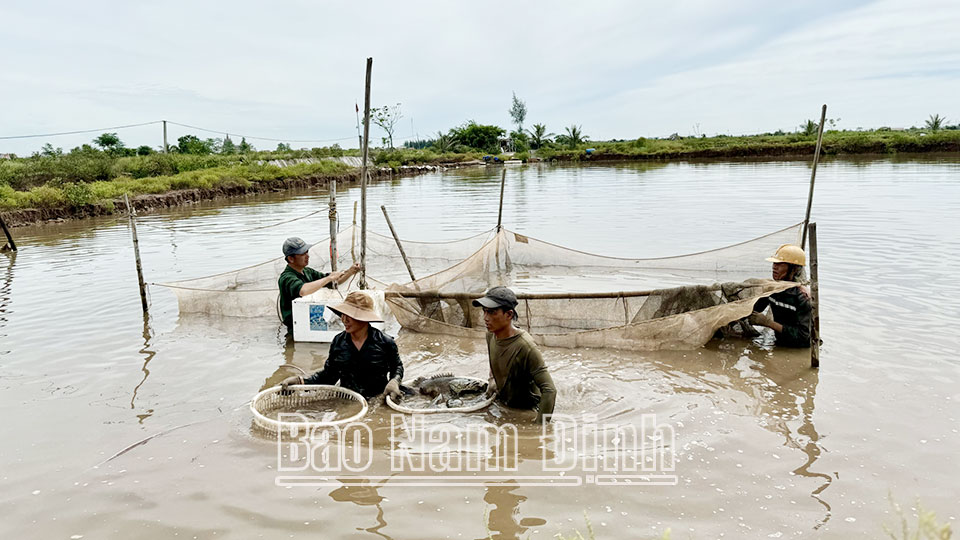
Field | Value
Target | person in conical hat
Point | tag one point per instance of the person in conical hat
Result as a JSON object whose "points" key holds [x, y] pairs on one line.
{"points": [[362, 358], [298, 279], [791, 310]]}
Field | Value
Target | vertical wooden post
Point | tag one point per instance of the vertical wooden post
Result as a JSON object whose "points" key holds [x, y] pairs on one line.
{"points": [[396, 239], [334, 253], [814, 299], [6, 232], [132, 214], [353, 235], [165, 147], [503, 182], [813, 175], [363, 177]]}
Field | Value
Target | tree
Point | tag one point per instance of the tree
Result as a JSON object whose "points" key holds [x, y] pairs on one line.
{"points": [[49, 151], [144, 150], [539, 136], [809, 128], [190, 144], [284, 147], [228, 147], [386, 117], [574, 136], [108, 142], [478, 136], [245, 147], [444, 143], [520, 141], [935, 122], [518, 112]]}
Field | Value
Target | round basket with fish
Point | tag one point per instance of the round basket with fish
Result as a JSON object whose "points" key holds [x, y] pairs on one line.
{"points": [[443, 393]]}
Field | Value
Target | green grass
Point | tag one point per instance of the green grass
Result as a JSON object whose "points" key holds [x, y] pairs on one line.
{"points": [[104, 192]]}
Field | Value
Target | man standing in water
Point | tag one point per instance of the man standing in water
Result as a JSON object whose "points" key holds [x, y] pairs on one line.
{"points": [[517, 372], [791, 308], [297, 279], [362, 358]]}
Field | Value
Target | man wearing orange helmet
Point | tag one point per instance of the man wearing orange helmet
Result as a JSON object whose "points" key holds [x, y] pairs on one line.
{"points": [[791, 308]]}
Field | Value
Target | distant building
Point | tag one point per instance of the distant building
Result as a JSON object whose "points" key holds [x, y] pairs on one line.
{"points": [[8, 156]]}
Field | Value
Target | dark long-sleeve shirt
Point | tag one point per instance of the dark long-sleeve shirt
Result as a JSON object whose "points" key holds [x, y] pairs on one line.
{"points": [[366, 371], [290, 282], [523, 381], [791, 308]]}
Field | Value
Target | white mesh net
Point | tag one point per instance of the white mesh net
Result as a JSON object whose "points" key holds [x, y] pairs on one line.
{"points": [[569, 298]]}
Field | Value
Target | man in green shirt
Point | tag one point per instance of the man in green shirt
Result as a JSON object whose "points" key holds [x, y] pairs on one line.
{"points": [[517, 372], [297, 279]]}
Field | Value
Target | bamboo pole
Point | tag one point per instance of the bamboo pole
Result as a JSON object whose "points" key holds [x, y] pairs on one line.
{"points": [[813, 174], [132, 215], [814, 299], [363, 177], [503, 182], [399, 245], [6, 232], [353, 235], [333, 227], [165, 147]]}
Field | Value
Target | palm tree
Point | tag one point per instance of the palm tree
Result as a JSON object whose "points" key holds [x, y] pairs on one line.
{"points": [[935, 122], [574, 136], [444, 143], [809, 128], [539, 136]]}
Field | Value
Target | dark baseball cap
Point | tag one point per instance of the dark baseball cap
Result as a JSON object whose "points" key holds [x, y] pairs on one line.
{"points": [[295, 246], [497, 297]]}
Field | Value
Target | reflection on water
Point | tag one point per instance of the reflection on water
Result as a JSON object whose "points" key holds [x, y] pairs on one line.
{"points": [[756, 428]]}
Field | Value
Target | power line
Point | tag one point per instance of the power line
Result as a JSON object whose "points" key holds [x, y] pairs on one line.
{"points": [[219, 131], [79, 131]]}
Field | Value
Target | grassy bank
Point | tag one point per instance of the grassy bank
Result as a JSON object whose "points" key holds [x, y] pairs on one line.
{"points": [[773, 146], [57, 193]]}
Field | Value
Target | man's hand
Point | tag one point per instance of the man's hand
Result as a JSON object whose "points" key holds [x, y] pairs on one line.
{"points": [[295, 379], [760, 319], [491, 387], [393, 390]]}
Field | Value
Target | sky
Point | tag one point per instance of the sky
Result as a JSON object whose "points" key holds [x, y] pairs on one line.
{"points": [[294, 70]]}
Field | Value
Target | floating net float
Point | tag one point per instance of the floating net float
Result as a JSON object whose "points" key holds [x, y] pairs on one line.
{"points": [[316, 405], [444, 393]]}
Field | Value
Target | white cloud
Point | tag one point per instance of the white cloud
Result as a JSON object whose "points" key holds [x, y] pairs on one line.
{"points": [[621, 69]]}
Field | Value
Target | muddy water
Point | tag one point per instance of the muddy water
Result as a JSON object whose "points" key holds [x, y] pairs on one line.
{"points": [[113, 426]]}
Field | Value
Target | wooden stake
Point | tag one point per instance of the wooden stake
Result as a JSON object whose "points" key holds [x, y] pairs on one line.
{"points": [[813, 174], [503, 182], [165, 147], [363, 177], [333, 227], [814, 299], [6, 232], [132, 214], [353, 235], [399, 245]]}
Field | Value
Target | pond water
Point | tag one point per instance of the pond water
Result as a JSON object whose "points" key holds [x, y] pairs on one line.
{"points": [[118, 426]]}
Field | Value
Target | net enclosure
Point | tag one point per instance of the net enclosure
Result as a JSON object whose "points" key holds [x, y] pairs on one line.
{"points": [[569, 298], [253, 291]]}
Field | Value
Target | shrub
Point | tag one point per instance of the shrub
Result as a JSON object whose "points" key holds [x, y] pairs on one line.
{"points": [[78, 194]]}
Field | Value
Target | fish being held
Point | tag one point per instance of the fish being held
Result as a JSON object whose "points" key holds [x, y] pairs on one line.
{"points": [[446, 386]]}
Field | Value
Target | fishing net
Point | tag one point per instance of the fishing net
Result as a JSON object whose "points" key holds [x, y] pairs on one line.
{"points": [[253, 291], [569, 298], [304, 407]]}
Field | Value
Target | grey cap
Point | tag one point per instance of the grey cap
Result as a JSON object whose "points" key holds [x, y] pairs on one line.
{"points": [[497, 297], [295, 246]]}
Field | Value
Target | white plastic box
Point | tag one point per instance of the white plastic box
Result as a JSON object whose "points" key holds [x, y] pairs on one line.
{"points": [[314, 322]]}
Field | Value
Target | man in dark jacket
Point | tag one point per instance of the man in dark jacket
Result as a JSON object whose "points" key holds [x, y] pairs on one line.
{"points": [[362, 358], [791, 308]]}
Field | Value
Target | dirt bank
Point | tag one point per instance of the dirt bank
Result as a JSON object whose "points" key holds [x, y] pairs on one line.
{"points": [[148, 203]]}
